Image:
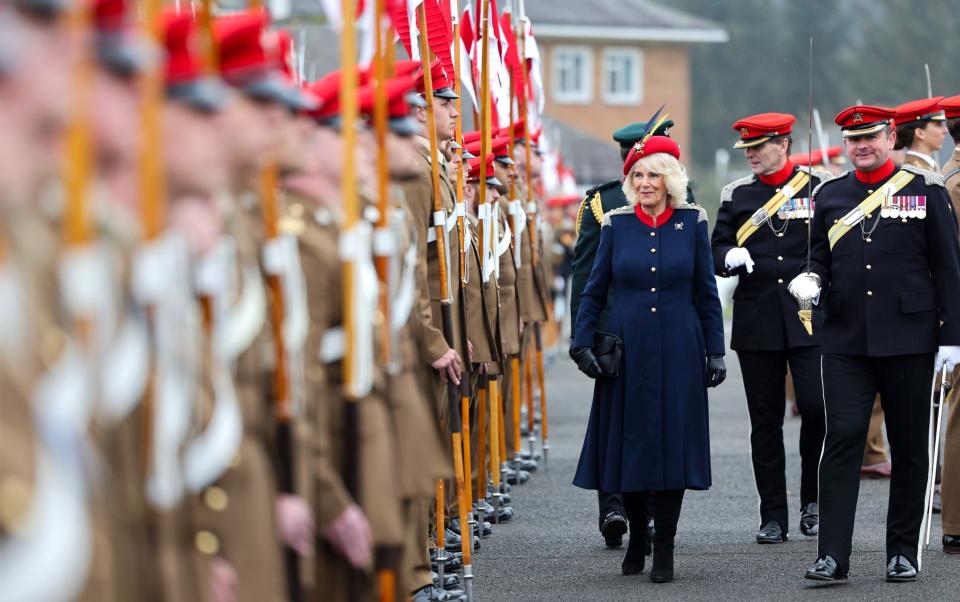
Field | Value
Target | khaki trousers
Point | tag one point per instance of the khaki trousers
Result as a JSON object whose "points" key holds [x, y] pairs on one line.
{"points": [[950, 481], [875, 451]]}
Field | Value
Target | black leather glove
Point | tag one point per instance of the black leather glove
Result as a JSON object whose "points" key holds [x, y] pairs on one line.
{"points": [[586, 361], [716, 370]]}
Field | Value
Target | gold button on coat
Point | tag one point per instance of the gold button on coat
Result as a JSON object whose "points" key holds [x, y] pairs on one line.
{"points": [[216, 499], [206, 543]]}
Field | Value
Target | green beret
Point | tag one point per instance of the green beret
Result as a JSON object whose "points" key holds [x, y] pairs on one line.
{"points": [[630, 134]]}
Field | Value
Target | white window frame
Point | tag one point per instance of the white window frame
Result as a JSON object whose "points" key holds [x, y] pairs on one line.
{"points": [[630, 97], [585, 94]]}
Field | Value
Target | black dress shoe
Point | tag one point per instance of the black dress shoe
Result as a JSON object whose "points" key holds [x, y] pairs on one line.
{"points": [[810, 519], [826, 569], [613, 527], [452, 565], [951, 544], [451, 556], [450, 580], [771, 532], [432, 593], [900, 570]]}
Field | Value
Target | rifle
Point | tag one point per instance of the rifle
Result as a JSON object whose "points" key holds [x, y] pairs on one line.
{"points": [[485, 247], [466, 500], [383, 65]]}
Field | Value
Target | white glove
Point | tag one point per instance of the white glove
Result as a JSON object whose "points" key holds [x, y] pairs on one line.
{"points": [[947, 356], [805, 286], [737, 257]]}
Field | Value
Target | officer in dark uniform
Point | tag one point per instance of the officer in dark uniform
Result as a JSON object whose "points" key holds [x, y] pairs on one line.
{"points": [[599, 200], [885, 266], [761, 236]]}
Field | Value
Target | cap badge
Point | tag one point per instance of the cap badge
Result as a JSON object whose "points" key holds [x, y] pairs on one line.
{"points": [[744, 131], [858, 117]]}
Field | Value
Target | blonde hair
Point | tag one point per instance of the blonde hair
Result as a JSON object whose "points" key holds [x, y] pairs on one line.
{"points": [[673, 172]]}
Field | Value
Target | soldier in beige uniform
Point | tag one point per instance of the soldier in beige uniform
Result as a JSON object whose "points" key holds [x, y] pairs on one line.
{"points": [[447, 362], [921, 130], [950, 486], [509, 322], [249, 563], [420, 451], [353, 524], [30, 341]]}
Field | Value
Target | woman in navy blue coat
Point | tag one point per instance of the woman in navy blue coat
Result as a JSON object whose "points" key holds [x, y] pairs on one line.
{"points": [[649, 430]]}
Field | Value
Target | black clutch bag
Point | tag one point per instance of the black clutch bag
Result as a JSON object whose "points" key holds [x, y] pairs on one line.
{"points": [[608, 349]]}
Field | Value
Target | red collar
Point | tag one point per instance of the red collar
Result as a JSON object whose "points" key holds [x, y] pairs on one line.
{"points": [[648, 219], [778, 178], [877, 175]]}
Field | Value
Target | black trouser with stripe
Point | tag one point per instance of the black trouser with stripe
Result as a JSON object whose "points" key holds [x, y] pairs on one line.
{"points": [[851, 384], [609, 502], [764, 382]]}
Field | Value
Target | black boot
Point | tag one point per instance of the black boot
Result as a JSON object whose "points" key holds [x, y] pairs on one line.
{"points": [[662, 570], [635, 558]]}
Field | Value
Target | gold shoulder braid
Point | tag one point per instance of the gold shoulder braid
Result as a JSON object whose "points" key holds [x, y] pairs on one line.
{"points": [[583, 204], [596, 205]]}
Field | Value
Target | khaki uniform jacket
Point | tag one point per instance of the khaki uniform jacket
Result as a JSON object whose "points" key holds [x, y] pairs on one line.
{"points": [[509, 314], [419, 197], [530, 285], [247, 493], [953, 182], [911, 159], [379, 491], [481, 310], [422, 453], [122, 559]]}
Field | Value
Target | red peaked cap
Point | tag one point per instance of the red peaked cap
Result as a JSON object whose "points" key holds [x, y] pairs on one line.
{"points": [[757, 129], [240, 44], [327, 91], [515, 129], [400, 69], [397, 105], [398, 92], [474, 173], [924, 109], [651, 146], [950, 106], [860, 120], [500, 147], [184, 74], [441, 83], [183, 65]]}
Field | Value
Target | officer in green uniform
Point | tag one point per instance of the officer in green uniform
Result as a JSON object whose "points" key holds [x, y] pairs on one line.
{"points": [[599, 200]]}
